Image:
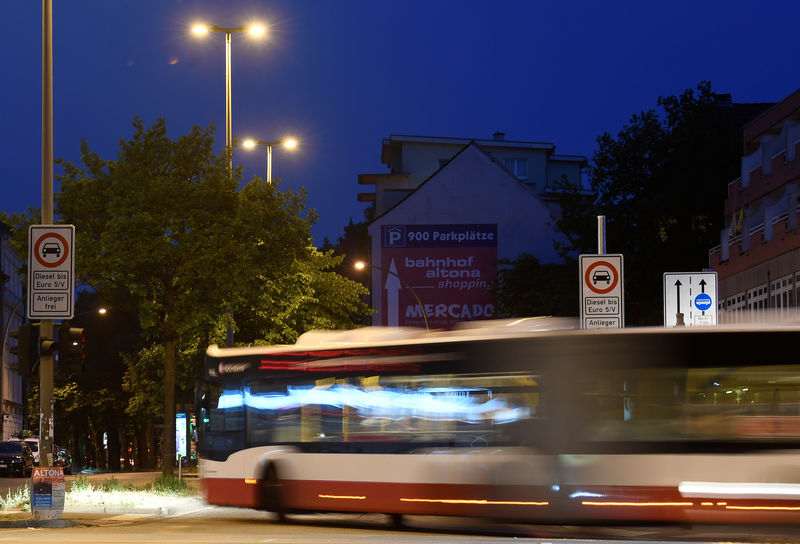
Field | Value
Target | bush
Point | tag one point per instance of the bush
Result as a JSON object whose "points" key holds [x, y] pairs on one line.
{"points": [[81, 483], [112, 484], [170, 485], [18, 499]]}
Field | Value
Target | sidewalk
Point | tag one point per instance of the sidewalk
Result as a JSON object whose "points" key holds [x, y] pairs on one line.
{"points": [[72, 516]]}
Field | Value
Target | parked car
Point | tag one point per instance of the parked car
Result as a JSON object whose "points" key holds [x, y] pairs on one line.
{"points": [[33, 443], [16, 458]]}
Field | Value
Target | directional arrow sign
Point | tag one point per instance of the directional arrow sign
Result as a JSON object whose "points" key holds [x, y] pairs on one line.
{"points": [[690, 299]]}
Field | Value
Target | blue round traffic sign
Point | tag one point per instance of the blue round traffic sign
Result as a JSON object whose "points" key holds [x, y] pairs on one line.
{"points": [[702, 301]]}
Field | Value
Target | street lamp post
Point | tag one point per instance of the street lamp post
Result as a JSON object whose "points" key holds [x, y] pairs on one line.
{"points": [[361, 265], [255, 30], [288, 143]]}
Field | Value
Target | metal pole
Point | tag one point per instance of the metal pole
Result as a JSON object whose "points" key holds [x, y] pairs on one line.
{"points": [[269, 163], [228, 137], [601, 234], [46, 428], [228, 131]]}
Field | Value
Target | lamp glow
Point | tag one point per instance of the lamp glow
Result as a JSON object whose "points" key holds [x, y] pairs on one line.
{"points": [[257, 30], [200, 29]]}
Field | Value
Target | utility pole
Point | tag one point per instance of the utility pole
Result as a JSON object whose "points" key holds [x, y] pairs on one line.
{"points": [[46, 427]]}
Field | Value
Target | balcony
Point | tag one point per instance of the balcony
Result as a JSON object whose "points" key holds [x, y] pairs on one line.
{"points": [[764, 236]]}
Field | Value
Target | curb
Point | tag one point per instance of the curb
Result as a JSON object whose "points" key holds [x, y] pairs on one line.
{"points": [[186, 505], [39, 523], [182, 507]]}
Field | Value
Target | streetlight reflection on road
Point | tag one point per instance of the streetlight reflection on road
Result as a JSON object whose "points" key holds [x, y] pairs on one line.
{"points": [[255, 30], [288, 143], [361, 265]]}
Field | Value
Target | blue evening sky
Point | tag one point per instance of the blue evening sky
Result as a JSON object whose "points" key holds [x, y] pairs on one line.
{"points": [[342, 75]]}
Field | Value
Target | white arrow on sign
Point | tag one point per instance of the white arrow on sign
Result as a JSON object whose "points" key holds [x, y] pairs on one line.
{"points": [[392, 287]]}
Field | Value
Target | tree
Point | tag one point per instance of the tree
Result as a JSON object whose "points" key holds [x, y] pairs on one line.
{"points": [[524, 287], [167, 223], [661, 184]]}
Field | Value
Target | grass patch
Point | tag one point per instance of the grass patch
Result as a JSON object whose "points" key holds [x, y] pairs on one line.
{"points": [[17, 499], [171, 485], [80, 483], [112, 484], [111, 493]]}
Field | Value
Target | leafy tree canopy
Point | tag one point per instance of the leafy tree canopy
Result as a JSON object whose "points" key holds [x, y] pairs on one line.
{"points": [[167, 225], [660, 183], [524, 287]]}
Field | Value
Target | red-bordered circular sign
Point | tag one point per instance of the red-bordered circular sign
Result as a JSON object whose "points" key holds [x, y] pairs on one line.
{"points": [[64, 250], [587, 279]]}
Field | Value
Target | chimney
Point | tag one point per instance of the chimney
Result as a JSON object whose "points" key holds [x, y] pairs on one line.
{"points": [[499, 136]]}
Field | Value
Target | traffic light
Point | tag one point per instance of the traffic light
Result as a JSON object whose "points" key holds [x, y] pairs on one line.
{"points": [[25, 350], [47, 346], [71, 350]]}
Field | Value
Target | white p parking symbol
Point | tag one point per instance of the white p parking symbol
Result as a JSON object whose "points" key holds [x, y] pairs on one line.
{"points": [[395, 236]]}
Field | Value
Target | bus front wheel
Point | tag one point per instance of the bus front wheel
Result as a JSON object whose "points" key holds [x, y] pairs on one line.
{"points": [[271, 492]]}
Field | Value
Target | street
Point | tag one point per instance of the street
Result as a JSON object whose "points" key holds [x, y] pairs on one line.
{"points": [[200, 523], [196, 522]]}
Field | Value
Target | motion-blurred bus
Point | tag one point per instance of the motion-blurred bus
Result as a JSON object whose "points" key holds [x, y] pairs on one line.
{"points": [[509, 420]]}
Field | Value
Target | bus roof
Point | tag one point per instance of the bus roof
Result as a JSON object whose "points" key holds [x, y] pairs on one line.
{"points": [[369, 336], [477, 330]]}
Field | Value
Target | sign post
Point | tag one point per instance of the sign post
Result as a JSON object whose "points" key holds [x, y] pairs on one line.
{"points": [[690, 299], [602, 294]]}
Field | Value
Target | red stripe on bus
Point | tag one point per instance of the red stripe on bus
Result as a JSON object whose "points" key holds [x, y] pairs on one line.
{"points": [[503, 501]]}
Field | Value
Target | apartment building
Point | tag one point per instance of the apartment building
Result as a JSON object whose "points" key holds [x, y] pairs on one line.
{"points": [[13, 315], [413, 159], [758, 259], [447, 211]]}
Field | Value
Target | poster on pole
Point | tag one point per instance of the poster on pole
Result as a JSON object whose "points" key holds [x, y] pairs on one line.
{"points": [[47, 492]]}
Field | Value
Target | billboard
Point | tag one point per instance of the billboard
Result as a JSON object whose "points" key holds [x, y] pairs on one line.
{"points": [[448, 267]]}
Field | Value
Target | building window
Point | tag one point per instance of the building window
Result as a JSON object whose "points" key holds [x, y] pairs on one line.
{"points": [[781, 291], [758, 298], [518, 167]]}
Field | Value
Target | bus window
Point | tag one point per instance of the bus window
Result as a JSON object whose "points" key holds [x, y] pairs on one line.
{"points": [[221, 420], [632, 404], [443, 409], [744, 403], [699, 404]]}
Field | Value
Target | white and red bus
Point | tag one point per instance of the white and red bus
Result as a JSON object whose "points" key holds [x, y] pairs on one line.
{"points": [[691, 425]]}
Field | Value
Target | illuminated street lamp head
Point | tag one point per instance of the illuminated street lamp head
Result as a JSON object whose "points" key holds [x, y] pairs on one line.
{"points": [[200, 29], [102, 311], [360, 265], [257, 30], [288, 143]]}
